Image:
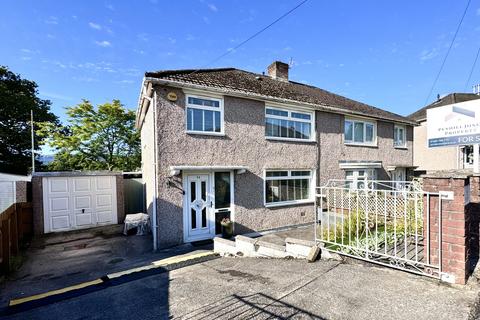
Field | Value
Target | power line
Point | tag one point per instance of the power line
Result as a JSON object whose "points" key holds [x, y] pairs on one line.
{"points": [[252, 36], [471, 70], [448, 52]]}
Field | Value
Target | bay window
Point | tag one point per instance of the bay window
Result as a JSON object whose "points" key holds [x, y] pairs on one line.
{"points": [[360, 132], [287, 186], [288, 124], [204, 115]]}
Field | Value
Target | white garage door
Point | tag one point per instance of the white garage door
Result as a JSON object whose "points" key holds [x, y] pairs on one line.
{"points": [[79, 202]]}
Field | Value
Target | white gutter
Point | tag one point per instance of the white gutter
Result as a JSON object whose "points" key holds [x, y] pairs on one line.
{"points": [[245, 94]]}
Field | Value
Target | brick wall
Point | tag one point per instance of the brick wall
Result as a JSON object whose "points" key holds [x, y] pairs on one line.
{"points": [[457, 226]]}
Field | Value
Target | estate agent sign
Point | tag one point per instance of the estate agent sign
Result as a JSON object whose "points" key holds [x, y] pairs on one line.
{"points": [[454, 124]]}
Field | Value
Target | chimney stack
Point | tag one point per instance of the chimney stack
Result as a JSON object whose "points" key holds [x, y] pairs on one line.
{"points": [[278, 70]]}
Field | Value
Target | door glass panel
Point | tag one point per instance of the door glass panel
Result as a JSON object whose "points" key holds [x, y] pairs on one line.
{"points": [[222, 190], [204, 217], [193, 214], [204, 191], [192, 191]]}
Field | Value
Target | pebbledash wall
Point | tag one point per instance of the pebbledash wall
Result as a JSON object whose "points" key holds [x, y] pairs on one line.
{"points": [[244, 144], [332, 148]]}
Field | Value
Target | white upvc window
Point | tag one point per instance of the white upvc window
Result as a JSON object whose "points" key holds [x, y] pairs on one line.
{"points": [[358, 131], [204, 115], [355, 178], [284, 187], [399, 136], [288, 124]]}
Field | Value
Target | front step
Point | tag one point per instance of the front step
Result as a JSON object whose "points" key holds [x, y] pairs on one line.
{"points": [[250, 247]]}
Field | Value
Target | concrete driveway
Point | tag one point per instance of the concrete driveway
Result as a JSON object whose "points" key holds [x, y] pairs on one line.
{"points": [[243, 288], [56, 261]]}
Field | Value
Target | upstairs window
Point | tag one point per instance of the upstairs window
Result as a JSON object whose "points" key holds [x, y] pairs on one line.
{"points": [[287, 186], [399, 136], [204, 115], [360, 132], [288, 124]]}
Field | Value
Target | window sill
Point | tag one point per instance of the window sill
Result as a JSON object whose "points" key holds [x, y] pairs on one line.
{"points": [[219, 134], [288, 203], [290, 140], [353, 144], [401, 147]]}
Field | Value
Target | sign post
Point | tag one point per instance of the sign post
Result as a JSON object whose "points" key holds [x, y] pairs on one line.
{"points": [[456, 124]]}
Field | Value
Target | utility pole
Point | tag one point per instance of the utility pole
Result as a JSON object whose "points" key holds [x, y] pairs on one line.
{"points": [[33, 142]]}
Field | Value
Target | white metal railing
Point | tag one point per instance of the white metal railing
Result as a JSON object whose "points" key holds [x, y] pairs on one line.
{"points": [[385, 222]]}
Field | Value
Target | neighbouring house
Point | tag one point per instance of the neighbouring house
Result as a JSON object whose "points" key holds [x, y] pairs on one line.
{"points": [[427, 159], [231, 143]]}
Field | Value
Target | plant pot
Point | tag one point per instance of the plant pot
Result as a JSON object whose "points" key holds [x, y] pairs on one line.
{"points": [[227, 230]]}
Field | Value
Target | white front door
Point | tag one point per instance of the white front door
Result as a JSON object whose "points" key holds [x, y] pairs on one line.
{"points": [[199, 214]]}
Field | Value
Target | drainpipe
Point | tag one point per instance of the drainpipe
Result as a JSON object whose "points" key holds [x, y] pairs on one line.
{"points": [[155, 172]]}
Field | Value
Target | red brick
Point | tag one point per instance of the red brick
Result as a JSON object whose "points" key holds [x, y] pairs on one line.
{"points": [[453, 224], [456, 256], [455, 216], [458, 248], [457, 232], [453, 240], [456, 264]]}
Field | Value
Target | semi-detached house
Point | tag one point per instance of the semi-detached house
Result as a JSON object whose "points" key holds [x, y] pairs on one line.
{"points": [[231, 143]]}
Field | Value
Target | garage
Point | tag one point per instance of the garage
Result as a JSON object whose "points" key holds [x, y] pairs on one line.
{"points": [[76, 200]]}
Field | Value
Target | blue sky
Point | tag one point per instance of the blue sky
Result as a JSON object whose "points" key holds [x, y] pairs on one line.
{"points": [[384, 53]]}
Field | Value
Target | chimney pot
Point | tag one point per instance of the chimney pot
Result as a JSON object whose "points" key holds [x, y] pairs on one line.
{"points": [[278, 70]]}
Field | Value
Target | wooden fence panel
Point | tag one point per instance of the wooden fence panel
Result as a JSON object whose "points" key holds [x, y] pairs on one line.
{"points": [[15, 226]]}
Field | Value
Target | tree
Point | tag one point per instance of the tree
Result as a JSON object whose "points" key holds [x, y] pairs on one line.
{"points": [[102, 138], [17, 98]]}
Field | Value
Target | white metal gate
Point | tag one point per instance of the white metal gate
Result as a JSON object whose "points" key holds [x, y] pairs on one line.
{"points": [[383, 222]]}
